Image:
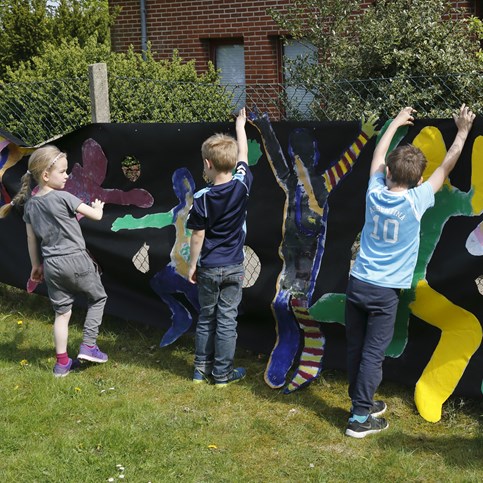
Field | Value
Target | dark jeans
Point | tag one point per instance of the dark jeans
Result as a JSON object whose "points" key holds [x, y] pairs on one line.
{"points": [[219, 294], [370, 314]]}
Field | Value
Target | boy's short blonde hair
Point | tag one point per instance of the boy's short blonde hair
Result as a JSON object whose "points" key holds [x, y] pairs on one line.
{"points": [[222, 151], [407, 165]]}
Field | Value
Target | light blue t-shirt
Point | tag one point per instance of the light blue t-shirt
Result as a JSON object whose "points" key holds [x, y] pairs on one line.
{"points": [[390, 237]]}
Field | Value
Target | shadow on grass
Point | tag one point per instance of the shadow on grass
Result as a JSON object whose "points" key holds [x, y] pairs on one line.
{"points": [[137, 344], [132, 343], [311, 397], [457, 451], [12, 353]]}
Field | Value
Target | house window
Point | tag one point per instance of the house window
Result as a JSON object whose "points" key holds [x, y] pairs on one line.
{"points": [[229, 57], [299, 99], [478, 9]]}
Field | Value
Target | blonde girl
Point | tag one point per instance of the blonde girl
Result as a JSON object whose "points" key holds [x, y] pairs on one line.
{"points": [[61, 259]]}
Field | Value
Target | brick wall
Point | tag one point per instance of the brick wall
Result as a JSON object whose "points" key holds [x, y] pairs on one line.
{"points": [[189, 26], [193, 26]]}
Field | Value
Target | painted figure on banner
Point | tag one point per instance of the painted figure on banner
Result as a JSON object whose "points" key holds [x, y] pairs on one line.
{"points": [[11, 152], [173, 278], [461, 331], [86, 181], [307, 193]]}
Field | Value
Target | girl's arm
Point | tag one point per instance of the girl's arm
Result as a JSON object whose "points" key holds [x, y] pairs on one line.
{"points": [[37, 273], [93, 212]]}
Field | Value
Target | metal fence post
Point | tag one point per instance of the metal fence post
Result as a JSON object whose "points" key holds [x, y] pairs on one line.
{"points": [[99, 92]]}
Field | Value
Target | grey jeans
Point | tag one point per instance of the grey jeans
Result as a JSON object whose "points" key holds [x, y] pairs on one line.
{"points": [[219, 293], [69, 275]]}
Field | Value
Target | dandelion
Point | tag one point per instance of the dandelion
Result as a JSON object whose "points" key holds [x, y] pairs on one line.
{"points": [[77, 389], [19, 322], [24, 362], [212, 446]]}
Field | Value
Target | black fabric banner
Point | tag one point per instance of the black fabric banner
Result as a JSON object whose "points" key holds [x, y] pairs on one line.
{"points": [[305, 212]]}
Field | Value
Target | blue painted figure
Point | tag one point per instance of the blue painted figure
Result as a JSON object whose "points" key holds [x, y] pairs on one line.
{"points": [[174, 277], [307, 192]]}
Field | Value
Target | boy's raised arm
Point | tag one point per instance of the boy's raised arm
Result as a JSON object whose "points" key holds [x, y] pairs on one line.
{"points": [[464, 122], [241, 136], [404, 118]]}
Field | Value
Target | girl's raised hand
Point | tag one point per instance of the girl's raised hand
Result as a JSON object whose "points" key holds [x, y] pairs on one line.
{"points": [[97, 204]]}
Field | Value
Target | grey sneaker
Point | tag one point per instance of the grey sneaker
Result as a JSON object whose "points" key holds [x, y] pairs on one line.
{"points": [[237, 375], [370, 426], [92, 354]]}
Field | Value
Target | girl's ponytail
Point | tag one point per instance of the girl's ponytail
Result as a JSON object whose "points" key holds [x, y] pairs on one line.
{"points": [[42, 159], [21, 197]]}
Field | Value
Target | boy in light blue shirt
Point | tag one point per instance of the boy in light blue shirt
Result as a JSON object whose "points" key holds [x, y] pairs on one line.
{"points": [[396, 200]]}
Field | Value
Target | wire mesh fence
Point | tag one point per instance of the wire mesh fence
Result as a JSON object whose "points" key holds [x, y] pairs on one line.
{"points": [[38, 111]]}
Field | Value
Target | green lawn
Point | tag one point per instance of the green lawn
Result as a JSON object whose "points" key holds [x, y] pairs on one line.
{"points": [[139, 418]]}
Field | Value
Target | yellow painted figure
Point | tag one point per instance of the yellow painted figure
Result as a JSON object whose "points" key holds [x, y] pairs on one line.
{"points": [[461, 331]]}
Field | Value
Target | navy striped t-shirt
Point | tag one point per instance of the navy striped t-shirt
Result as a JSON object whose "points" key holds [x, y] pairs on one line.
{"points": [[221, 211]]}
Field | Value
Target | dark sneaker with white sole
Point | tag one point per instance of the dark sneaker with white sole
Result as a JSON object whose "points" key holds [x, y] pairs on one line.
{"points": [[378, 409], [355, 429]]}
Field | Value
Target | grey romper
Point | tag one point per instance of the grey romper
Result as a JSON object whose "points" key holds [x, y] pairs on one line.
{"points": [[68, 268]]}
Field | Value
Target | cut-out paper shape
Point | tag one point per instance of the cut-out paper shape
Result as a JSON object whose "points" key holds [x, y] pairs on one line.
{"points": [[131, 168], [306, 209], [85, 181], [474, 242], [252, 267], [141, 259], [479, 284]]}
